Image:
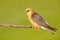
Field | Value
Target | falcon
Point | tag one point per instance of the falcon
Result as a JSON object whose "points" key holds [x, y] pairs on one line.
{"points": [[38, 22]]}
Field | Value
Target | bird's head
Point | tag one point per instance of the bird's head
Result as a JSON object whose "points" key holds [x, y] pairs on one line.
{"points": [[29, 11]]}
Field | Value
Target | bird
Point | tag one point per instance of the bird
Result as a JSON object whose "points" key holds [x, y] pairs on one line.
{"points": [[38, 22]]}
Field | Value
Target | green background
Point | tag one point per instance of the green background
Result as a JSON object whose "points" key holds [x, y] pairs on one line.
{"points": [[13, 12]]}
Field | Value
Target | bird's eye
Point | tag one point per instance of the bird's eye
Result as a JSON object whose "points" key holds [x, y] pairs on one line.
{"points": [[27, 10]]}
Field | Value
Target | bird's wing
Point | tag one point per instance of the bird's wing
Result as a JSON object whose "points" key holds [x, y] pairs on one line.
{"points": [[39, 20]]}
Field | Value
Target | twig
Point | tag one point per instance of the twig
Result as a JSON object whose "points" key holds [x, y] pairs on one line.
{"points": [[14, 26]]}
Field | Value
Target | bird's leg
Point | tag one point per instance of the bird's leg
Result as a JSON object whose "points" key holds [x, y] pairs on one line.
{"points": [[36, 28]]}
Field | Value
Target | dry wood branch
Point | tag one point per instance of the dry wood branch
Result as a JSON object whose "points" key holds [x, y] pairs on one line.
{"points": [[15, 26]]}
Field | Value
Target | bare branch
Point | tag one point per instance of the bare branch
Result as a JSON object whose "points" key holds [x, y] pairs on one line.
{"points": [[14, 26]]}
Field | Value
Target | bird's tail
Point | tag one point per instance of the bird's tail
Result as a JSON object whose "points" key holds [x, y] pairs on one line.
{"points": [[50, 29]]}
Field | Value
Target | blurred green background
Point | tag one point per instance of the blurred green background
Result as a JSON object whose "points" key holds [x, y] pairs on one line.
{"points": [[13, 12]]}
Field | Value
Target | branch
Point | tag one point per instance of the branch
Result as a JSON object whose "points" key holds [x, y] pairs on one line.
{"points": [[15, 26]]}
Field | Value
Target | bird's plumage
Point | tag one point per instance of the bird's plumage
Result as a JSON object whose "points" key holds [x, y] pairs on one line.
{"points": [[41, 22], [37, 21]]}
